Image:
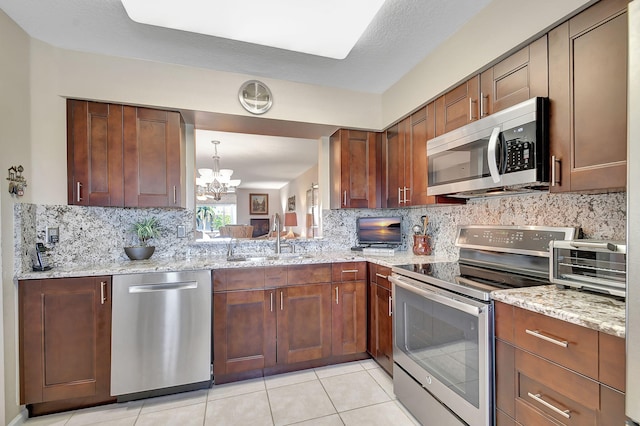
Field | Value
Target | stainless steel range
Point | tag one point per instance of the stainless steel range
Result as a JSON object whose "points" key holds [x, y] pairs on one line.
{"points": [[443, 320]]}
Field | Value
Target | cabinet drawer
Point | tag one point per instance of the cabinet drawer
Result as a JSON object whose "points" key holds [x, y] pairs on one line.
{"points": [[349, 271], [380, 275], [529, 416], [612, 361], [309, 274], [275, 276], [503, 315], [569, 345], [238, 279], [543, 385]]}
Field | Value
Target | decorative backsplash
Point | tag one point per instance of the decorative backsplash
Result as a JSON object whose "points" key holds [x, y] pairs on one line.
{"points": [[90, 235]]}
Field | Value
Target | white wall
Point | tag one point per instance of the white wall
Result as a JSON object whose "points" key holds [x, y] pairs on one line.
{"points": [[275, 206], [16, 147], [298, 188], [498, 28]]}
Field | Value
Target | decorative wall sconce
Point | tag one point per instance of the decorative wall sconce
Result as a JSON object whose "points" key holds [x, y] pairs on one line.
{"points": [[17, 182]]}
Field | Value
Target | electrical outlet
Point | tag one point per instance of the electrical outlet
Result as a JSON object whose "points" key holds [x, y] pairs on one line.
{"points": [[182, 233], [53, 235]]}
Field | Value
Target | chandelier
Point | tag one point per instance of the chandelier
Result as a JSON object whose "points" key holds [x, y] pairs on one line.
{"points": [[215, 182]]}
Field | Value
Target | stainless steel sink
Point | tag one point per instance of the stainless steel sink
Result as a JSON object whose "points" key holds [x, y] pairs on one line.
{"points": [[282, 256]]}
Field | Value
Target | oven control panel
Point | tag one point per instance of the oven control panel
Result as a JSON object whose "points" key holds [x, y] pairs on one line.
{"points": [[531, 239]]}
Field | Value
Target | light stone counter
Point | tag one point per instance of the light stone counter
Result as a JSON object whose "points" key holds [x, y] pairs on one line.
{"points": [[220, 262], [601, 313]]}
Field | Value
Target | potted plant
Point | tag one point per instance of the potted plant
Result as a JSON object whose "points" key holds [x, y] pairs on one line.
{"points": [[145, 230]]}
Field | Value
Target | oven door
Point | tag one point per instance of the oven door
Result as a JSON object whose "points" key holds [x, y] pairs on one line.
{"points": [[445, 342]]}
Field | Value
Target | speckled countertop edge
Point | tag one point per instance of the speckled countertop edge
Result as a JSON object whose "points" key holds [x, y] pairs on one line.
{"points": [[219, 262], [594, 311]]}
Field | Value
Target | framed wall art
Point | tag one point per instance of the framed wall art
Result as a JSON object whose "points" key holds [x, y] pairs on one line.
{"points": [[258, 203]]}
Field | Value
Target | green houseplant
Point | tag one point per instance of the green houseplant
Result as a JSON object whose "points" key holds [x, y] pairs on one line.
{"points": [[145, 230]]}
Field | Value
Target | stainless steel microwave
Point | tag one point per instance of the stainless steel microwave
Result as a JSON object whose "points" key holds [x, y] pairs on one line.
{"points": [[503, 153]]}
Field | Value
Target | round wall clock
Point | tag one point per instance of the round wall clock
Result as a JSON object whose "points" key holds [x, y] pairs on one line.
{"points": [[255, 97]]}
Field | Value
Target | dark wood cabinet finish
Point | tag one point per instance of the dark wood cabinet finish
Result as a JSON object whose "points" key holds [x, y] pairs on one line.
{"points": [[65, 342], [355, 169], [457, 107], [612, 356], [395, 164], [587, 88], [153, 158], [521, 76], [381, 321], [531, 376], [124, 156], [304, 323], [349, 308], [309, 274], [244, 332], [94, 154]]}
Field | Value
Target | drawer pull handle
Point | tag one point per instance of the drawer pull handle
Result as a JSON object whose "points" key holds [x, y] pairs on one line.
{"points": [[538, 398], [539, 335], [349, 271], [381, 276]]}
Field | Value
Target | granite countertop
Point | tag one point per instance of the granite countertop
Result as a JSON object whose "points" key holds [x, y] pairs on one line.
{"points": [[220, 262], [594, 311]]}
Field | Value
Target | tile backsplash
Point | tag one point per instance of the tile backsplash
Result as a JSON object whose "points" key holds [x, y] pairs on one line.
{"points": [[90, 235]]}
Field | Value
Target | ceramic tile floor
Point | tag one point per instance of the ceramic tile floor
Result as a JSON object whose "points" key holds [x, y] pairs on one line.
{"points": [[356, 393]]}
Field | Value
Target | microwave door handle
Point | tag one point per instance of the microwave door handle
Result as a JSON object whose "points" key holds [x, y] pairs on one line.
{"points": [[491, 154]]}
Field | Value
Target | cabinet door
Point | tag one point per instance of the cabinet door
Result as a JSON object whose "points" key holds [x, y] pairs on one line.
{"points": [[65, 340], [94, 154], [458, 107], [303, 323], [371, 316], [587, 88], [355, 165], [244, 331], [395, 165], [384, 329], [422, 129], [521, 76], [349, 318], [153, 158]]}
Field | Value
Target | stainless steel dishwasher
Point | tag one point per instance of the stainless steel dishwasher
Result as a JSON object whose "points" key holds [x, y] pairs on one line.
{"points": [[161, 333]]}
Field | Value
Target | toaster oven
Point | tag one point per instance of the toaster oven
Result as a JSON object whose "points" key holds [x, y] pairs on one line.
{"points": [[589, 264]]}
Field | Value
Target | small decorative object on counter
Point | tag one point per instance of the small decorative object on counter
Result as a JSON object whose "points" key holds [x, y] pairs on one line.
{"points": [[17, 182], [421, 244], [421, 241], [145, 230]]}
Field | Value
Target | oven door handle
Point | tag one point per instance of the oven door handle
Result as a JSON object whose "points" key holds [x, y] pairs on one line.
{"points": [[437, 297]]}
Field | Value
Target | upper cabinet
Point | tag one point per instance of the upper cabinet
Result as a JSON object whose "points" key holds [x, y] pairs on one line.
{"points": [[355, 169], [521, 76], [588, 92], [124, 156], [406, 159], [457, 107]]}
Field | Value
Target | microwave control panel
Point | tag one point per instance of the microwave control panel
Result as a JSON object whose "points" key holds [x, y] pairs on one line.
{"points": [[520, 148]]}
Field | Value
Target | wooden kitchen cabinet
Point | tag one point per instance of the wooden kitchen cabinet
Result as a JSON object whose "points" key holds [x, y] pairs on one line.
{"points": [[270, 318], [349, 308], [65, 343], [531, 369], [94, 154], [587, 89], [154, 158], [406, 161], [381, 321], [517, 78], [124, 156], [458, 107], [355, 169]]}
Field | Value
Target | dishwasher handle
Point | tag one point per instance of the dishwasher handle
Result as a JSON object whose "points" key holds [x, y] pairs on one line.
{"points": [[160, 287]]}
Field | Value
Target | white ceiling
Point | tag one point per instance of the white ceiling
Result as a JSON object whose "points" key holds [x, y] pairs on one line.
{"points": [[402, 34]]}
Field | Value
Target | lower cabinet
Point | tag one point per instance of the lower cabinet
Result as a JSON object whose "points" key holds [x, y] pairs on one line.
{"points": [[279, 317], [541, 381], [65, 343], [380, 316]]}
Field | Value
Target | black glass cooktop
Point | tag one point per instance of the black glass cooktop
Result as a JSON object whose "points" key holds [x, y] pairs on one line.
{"points": [[467, 279]]}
